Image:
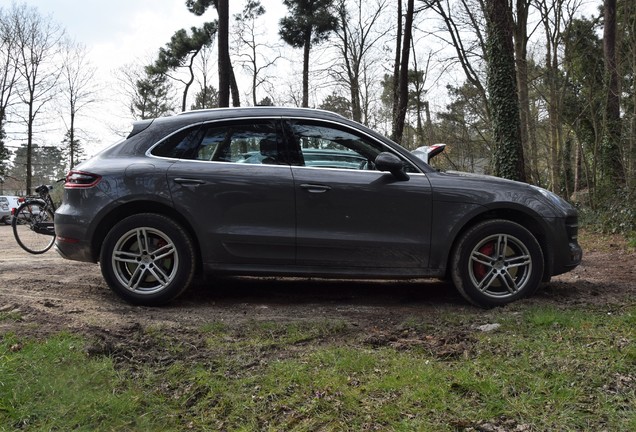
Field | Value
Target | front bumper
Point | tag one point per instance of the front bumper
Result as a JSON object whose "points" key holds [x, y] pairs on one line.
{"points": [[567, 253]]}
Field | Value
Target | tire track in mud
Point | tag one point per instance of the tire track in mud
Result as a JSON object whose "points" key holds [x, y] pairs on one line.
{"points": [[71, 295]]}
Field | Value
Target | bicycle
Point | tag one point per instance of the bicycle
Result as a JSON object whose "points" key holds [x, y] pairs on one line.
{"points": [[32, 221]]}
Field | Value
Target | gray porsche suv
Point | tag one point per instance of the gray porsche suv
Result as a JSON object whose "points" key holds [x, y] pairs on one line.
{"points": [[300, 192]]}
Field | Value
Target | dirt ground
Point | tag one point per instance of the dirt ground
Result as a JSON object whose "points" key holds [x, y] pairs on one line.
{"points": [[51, 294]]}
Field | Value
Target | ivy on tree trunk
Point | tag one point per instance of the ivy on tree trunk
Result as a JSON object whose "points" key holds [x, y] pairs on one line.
{"points": [[502, 90]]}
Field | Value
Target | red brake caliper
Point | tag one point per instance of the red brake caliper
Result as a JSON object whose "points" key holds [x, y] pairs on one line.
{"points": [[480, 269]]}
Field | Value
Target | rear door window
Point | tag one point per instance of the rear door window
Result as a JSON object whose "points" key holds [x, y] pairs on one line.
{"points": [[253, 142]]}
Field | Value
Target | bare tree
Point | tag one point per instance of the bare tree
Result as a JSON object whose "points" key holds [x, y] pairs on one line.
{"points": [[8, 69], [37, 46], [208, 96], [464, 26], [254, 60], [555, 18], [8, 76], [357, 36], [79, 90]]}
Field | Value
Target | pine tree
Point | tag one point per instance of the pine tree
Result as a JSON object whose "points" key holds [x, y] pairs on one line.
{"points": [[152, 98], [208, 97]]}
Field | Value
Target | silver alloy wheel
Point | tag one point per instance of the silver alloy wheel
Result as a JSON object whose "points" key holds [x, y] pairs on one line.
{"points": [[145, 260], [500, 266]]}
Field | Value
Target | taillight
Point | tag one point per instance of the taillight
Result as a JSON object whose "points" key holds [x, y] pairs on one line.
{"points": [[80, 179]]}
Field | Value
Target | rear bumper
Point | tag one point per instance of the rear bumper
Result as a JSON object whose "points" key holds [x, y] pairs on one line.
{"points": [[71, 239]]}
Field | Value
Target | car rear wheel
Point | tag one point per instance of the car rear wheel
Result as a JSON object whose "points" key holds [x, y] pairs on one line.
{"points": [[497, 262], [147, 259]]}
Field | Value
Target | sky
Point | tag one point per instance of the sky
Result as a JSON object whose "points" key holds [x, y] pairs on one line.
{"points": [[118, 33]]}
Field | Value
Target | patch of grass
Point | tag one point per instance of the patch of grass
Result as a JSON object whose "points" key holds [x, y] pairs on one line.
{"points": [[10, 316], [53, 385], [215, 327], [543, 369]]}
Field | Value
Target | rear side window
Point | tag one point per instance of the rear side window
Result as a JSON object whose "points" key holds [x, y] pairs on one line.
{"points": [[256, 142], [253, 143], [181, 145]]}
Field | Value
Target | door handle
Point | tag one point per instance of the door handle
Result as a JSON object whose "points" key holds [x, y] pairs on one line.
{"points": [[188, 181], [315, 188]]}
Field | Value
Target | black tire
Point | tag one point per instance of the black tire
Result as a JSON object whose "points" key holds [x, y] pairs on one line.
{"points": [[496, 262], [135, 272], [23, 223]]}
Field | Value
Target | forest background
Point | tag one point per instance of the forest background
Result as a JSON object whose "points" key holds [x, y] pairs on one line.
{"points": [[540, 91]]}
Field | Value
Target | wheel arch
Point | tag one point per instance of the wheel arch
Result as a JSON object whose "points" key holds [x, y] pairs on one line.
{"points": [[529, 222], [110, 219]]}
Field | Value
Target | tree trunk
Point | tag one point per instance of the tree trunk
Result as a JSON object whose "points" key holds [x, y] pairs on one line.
{"points": [[396, 72], [224, 54], [71, 137], [403, 94], [429, 124], [29, 150], [306, 50], [520, 44], [613, 173], [186, 88], [236, 96], [502, 86], [632, 135], [553, 110], [356, 110]]}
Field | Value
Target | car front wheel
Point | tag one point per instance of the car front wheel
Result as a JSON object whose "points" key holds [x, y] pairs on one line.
{"points": [[147, 259], [497, 262]]}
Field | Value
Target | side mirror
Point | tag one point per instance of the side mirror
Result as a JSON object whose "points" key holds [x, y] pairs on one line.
{"points": [[386, 161]]}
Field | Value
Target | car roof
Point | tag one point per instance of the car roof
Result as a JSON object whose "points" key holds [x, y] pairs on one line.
{"points": [[257, 111], [204, 115]]}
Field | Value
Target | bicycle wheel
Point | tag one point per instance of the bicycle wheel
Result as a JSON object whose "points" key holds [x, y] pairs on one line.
{"points": [[32, 227]]}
